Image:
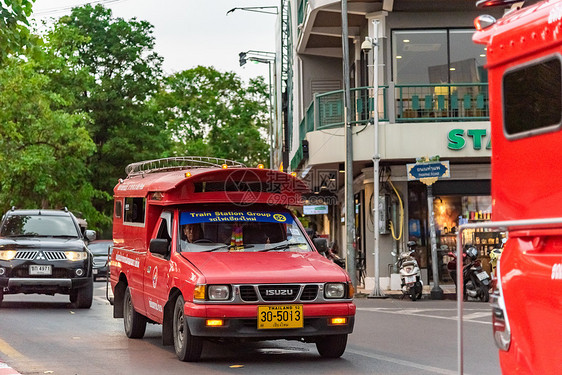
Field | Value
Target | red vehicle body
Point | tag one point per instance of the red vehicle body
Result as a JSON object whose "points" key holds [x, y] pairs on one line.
{"points": [[524, 52], [252, 274]]}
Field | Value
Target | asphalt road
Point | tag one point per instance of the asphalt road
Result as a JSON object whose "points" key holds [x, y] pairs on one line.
{"points": [[46, 335]]}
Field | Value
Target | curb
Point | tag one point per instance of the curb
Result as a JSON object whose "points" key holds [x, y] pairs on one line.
{"points": [[7, 370]]}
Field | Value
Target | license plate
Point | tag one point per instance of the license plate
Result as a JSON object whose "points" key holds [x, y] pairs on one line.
{"points": [[95, 271], [40, 270], [410, 279], [280, 316], [482, 275]]}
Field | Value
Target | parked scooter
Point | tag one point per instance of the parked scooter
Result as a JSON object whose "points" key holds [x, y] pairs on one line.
{"points": [[476, 282], [410, 275], [494, 259]]}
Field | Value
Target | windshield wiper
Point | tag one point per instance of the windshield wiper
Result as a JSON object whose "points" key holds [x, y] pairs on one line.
{"points": [[227, 247], [284, 246]]}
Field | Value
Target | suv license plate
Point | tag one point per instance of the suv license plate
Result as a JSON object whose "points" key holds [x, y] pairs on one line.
{"points": [[40, 270], [280, 316]]}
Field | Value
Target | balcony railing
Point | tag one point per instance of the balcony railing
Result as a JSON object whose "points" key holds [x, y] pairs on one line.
{"points": [[443, 102], [399, 104]]}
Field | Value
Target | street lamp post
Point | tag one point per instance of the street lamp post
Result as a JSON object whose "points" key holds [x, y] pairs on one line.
{"points": [[270, 59], [368, 45]]}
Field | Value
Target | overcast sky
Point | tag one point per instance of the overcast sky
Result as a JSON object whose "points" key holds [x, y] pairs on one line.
{"points": [[193, 32]]}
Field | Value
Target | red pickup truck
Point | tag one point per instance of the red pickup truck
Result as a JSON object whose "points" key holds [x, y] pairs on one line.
{"points": [[209, 249]]}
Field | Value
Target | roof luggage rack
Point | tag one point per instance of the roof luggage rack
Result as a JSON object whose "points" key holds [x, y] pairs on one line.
{"points": [[177, 164]]}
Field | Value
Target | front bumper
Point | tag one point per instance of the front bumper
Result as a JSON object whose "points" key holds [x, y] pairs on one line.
{"points": [[240, 321], [42, 285], [247, 328]]}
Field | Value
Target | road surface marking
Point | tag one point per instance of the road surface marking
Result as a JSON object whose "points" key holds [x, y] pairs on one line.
{"points": [[402, 362], [9, 351], [466, 318]]}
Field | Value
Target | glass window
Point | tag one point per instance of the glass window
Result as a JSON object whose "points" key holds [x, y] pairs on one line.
{"points": [[437, 56], [532, 98], [467, 59], [419, 56], [134, 210], [237, 230]]}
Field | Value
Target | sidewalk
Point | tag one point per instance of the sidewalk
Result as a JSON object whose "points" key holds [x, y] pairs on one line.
{"points": [[449, 292]]}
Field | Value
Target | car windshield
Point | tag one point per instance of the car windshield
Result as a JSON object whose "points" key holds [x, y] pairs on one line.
{"points": [[239, 230], [99, 248], [39, 226]]}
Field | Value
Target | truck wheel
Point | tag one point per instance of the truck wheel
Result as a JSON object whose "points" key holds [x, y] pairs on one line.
{"points": [[83, 297], [188, 348], [331, 346], [134, 323]]}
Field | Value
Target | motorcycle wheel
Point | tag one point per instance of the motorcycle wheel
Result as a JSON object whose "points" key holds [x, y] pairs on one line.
{"points": [[413, 294], [419, 290], [484, 295]]}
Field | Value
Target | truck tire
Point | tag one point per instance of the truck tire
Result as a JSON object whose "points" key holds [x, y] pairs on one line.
{"points": [[133, 322], [188, 348], [332, 346], [82, 298]]}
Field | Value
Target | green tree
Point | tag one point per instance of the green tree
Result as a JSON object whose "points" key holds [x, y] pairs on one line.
{"points": [[42, 150], [210, 113], [117, 73], [14, 32]]}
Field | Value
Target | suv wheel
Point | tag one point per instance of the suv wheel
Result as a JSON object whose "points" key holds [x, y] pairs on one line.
{"points": [[83, 297]]}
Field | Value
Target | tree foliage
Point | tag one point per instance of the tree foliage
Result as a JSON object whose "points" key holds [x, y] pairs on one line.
{"points": [[210, 113], [14, 32], [117, 75], [42, 150]]}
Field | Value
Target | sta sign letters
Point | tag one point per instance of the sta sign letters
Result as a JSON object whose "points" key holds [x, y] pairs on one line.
{"points": [[479, 138]]}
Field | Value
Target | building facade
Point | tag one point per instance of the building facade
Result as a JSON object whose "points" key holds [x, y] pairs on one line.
{"points": [[432, 99]]}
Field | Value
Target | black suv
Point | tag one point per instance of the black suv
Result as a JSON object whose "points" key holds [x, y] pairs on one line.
{"points": [[44, 252]]}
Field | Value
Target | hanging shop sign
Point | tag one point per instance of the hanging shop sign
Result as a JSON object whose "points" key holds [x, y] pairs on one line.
{"points": [[479, 138], [315, 209], [428, 173]]}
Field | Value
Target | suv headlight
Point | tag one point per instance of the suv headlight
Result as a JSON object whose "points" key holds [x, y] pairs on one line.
{"points": [[218, 292], [7, 254], [334, 290], [76, 255]]}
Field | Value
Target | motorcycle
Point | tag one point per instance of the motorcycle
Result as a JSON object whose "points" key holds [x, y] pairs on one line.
{"points": [[410, 275], [494, 259], [476, 282]]}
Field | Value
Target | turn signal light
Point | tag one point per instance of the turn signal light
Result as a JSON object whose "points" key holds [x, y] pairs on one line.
{"points": [[338, 321], [214, 323], [199, 292], [261, 166], [187, 174], [224, 166]]}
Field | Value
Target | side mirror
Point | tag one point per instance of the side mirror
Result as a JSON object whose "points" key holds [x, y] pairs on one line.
{"points": [[321, 244], [90, 235], [159, 246]]}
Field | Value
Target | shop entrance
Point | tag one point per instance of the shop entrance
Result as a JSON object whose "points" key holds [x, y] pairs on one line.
{"points": [[454, 203]]}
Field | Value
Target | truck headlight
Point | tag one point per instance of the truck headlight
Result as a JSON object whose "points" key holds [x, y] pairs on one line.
{"points": [[334, 290], [218, 292], [7, 254], [76, 255]]}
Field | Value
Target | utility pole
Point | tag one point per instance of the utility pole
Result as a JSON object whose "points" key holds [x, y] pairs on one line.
{"points": [[349, 200], [367, 45]]}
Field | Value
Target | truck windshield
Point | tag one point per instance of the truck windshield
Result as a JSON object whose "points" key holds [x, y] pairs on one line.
{"points": [[239, 230]]}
